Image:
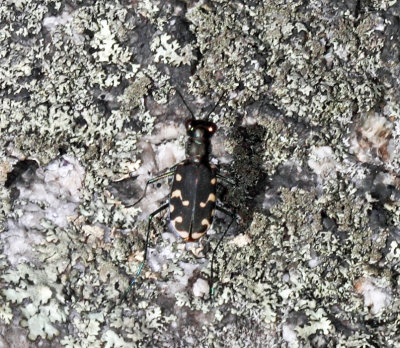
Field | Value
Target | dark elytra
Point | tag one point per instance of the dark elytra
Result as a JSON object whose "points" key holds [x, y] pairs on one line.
{"points": [[193, 191]]}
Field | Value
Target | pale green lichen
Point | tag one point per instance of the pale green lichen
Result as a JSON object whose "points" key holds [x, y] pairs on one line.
{"points": [[108, 50], [318, 322], [169, 51], [40, 312], [6, 314]]}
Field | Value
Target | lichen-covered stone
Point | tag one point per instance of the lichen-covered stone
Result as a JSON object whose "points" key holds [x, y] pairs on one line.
{"points": [[309, 126]]}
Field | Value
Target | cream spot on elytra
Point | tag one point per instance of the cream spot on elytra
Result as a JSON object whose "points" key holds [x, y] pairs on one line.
{"points": [[176, 193], [211, 198]]}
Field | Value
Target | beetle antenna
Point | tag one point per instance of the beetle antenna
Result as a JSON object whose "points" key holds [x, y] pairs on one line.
{"points": [[215, 106], [184, 102]]}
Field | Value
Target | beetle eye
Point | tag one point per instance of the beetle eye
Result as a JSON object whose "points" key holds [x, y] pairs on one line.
{"points": [[188, 124]]}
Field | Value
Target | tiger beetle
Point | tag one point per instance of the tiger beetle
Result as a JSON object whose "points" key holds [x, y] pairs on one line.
{"points": [[192, 200]]}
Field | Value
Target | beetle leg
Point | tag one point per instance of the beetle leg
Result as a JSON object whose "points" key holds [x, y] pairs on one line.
{"points": [[133, 281], [151, 181], [232, 215]]}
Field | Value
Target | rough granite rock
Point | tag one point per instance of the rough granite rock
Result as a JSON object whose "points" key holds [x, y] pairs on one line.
{"points": [[308, 125]]}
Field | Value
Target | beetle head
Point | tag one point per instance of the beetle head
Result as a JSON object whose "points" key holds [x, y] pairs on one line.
{"points": [[200, 129]]}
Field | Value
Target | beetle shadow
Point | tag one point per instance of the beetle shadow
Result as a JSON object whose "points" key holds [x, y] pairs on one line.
{"points": [[257, 191], [247, 170]]}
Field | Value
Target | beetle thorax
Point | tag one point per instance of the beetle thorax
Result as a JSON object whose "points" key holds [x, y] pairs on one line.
{"points": [[198, 144], [197, 149]]}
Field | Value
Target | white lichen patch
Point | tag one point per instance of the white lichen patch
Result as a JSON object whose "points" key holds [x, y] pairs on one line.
{"points": [[111, 339], [375, 297], [148, 9], [318, 322], [6, 314], [107, 48], [52, 22], [322, 161], [40, 311], [394, 253], [241, 240], [169, 51]]}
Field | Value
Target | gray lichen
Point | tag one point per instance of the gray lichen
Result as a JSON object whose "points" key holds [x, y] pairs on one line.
{"points": [[308, 125]]}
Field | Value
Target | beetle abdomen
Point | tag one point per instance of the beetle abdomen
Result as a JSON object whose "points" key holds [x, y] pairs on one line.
{"points": [[192, 199]]}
